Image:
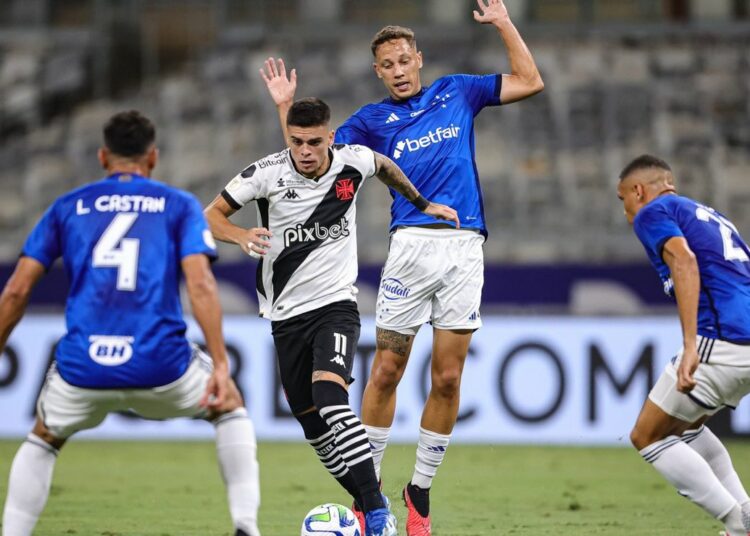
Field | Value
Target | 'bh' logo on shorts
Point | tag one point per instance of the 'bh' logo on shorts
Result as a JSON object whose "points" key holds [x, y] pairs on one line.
{"points": [[393, 289], [109, 350]]}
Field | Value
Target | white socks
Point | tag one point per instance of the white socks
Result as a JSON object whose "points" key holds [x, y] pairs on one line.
{"points": [[687, 471], [711, 449], [430, 453], [28, 486], [378, 441], [236, 450]]}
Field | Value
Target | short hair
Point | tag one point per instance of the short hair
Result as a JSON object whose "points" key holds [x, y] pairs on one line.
{"points": [[390, 33], [129, 134], [645, 161], [308, 112]]}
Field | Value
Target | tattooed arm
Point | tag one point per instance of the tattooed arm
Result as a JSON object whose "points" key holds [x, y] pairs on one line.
{"points": [[392, 176]]}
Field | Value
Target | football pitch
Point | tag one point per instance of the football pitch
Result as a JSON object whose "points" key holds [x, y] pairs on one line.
{"points": [[170, 489]]}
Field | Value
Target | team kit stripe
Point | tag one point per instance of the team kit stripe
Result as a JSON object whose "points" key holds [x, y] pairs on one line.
{"points": [[652, 455], [353, 443], [263, 211], [329, 455], [328, 212]]}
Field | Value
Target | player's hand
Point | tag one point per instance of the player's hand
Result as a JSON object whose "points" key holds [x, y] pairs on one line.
{"points": [[279, 86], [254, 241], [217, 388], [688, 365], [443, 212], [492, 12]]}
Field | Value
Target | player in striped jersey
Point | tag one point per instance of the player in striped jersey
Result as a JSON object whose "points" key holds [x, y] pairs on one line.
{"points": [[704, 264], [307, 242], [434, 273]]}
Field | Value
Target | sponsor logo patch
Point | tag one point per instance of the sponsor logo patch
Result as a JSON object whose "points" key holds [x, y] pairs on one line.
{"points": [[110, 350], [298, 233], [393, 289], [439, 135]]}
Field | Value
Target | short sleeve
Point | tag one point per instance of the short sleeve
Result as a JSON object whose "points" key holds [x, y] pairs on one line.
{"points": [[44, 244], [193, 234], [244, 187], [480, 90], [352, 132], [366, 159], [654, 225]]}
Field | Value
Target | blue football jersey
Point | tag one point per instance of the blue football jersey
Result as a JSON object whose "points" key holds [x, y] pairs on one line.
{"points": [[723, 260], [122, 240], [431, 138]]}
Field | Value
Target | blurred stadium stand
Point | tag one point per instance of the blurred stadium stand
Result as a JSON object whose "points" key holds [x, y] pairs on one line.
{"points": [[622, 77]]}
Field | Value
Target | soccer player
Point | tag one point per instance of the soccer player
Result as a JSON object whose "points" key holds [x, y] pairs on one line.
{"points": [[705, 265], [307, 244], [124, 241], [429, 132]]}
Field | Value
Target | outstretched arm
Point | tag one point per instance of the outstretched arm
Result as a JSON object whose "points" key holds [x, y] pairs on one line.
{"points": [[391, 175], [204, 300], [16, 294], [281, 88], [252, 241], [524, 79], [687, 286]]}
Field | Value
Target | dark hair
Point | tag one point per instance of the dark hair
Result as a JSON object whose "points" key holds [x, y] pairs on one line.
{"points": [[390, 33], [644, 161], [308, 112], [129, 134]]}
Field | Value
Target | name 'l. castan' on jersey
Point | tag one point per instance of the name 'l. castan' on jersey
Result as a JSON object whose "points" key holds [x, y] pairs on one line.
{"points": [[122, 203]]}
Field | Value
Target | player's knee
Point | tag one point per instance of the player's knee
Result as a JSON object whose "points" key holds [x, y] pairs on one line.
{"points": [[386, 375], [641, 439], [447, 383]]}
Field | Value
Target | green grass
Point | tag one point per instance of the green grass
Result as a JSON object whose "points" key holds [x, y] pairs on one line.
{"points": [[161, 489]]}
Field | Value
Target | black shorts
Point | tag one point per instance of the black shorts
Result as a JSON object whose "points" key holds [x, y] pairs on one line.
{"points": [[324, 339]]}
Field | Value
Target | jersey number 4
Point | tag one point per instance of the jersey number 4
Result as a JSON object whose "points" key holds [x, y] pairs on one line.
{"points": [[107, 254], [726, 228]]}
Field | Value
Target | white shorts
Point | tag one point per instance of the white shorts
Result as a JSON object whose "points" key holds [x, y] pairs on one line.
{"points": [[431, 275], [65, 409], [723, 378]]}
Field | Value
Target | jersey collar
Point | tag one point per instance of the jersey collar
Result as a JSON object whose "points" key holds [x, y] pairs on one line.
{"points": [[293, 166], [125, 177]]}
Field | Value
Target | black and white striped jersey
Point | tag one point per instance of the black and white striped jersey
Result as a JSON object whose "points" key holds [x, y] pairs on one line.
{"points": [[312, 260]]}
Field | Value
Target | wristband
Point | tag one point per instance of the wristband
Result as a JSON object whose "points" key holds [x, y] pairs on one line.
{"points": [[421, 203]]}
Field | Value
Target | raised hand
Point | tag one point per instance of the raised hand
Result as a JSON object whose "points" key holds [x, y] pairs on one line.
{"points": [[279, 86], [492, 12]]}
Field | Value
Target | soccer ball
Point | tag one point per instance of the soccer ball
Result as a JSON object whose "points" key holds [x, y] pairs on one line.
{"points": [[330, 520]]}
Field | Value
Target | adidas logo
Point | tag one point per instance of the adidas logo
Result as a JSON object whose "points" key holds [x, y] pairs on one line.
{"points": [[474, 315], [391, 118], [291, 194], [436, 448]]}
